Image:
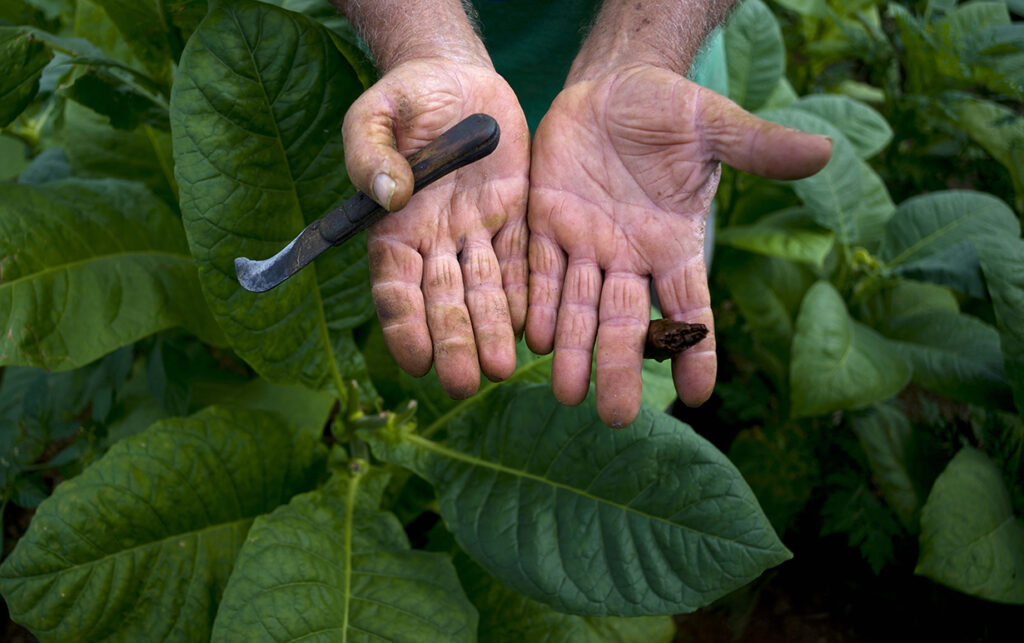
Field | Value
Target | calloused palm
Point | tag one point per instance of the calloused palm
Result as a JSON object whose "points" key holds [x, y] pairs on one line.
{"points": [[624, 168], [448, 271]]}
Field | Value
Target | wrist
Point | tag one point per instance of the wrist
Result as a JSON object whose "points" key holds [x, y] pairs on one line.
{"points": [[445, 50], [399, 31], [661, 33]]}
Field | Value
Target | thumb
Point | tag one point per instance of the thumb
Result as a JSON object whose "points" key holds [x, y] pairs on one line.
{"points": [[748, 143], [374, 164]]}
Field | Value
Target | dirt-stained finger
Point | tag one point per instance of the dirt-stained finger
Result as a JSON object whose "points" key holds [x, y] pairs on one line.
{"points": [[488, 309], [374, 164], [455, 354], [511, 246], [396, 271]]}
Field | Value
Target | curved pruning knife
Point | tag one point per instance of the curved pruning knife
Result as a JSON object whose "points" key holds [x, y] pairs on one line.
{"points": [[471, 139]]}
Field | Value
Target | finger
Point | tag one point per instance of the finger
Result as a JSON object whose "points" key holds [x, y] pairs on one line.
{"points": [[683, 295], [575, 332], [754, 145], [374, 164], [455, 356], [488, 310], [547, 270], [510, 247], [625, 315], [396, 272]]}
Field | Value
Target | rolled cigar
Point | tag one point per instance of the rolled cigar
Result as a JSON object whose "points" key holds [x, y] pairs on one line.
{"points": [[667, 338]]}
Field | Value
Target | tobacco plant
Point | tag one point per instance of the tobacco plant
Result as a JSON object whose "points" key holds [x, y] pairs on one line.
{"points": [[880, 340], [255, 467]]}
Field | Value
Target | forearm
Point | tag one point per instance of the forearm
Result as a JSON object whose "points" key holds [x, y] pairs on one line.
{"points": [[664, 33], [400, 30]]}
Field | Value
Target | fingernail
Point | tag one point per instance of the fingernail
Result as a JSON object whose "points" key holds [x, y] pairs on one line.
{"points": [[383, 189]]}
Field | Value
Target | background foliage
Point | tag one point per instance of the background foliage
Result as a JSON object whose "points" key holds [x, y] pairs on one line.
{"points": [[181, 457]]}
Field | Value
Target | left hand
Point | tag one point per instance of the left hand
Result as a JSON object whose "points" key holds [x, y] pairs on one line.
{"points": [[624, 169]]}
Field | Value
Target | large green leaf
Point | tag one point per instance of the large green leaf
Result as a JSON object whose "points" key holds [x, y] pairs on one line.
{"points": [[952, 354], [643, 521], [1004, 274], [255, 113], [89, 266], [757, 54], [838, 363], [847, 196], [788, 234], [865, 128], [331, 566], [22, 59], [929, 234], [970, 538], [506, 615], [140, 545]]}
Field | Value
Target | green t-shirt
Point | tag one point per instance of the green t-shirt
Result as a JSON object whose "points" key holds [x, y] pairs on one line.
{"points": [[533, 44]]}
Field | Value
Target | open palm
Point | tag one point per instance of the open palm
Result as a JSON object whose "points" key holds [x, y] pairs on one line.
{"points": [[623, 172], [448, 272]]}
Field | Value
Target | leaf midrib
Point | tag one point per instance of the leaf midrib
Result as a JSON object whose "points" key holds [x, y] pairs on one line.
{"points": [[150, 544], [926, 240], [97, 259], [349, 514], [324, 332], [517, 473]]}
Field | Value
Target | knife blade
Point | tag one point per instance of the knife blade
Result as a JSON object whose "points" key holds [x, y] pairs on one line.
{"points": [[471, 139]]}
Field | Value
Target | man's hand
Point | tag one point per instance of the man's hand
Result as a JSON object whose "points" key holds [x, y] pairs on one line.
{"points": [[448, 272], [624, 169]]}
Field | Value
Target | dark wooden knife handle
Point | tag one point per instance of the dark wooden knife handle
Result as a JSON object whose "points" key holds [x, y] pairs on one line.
{"points": [[471, 139]]}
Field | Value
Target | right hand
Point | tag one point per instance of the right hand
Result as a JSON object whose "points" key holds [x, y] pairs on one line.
{"points": [[448, 272]]}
